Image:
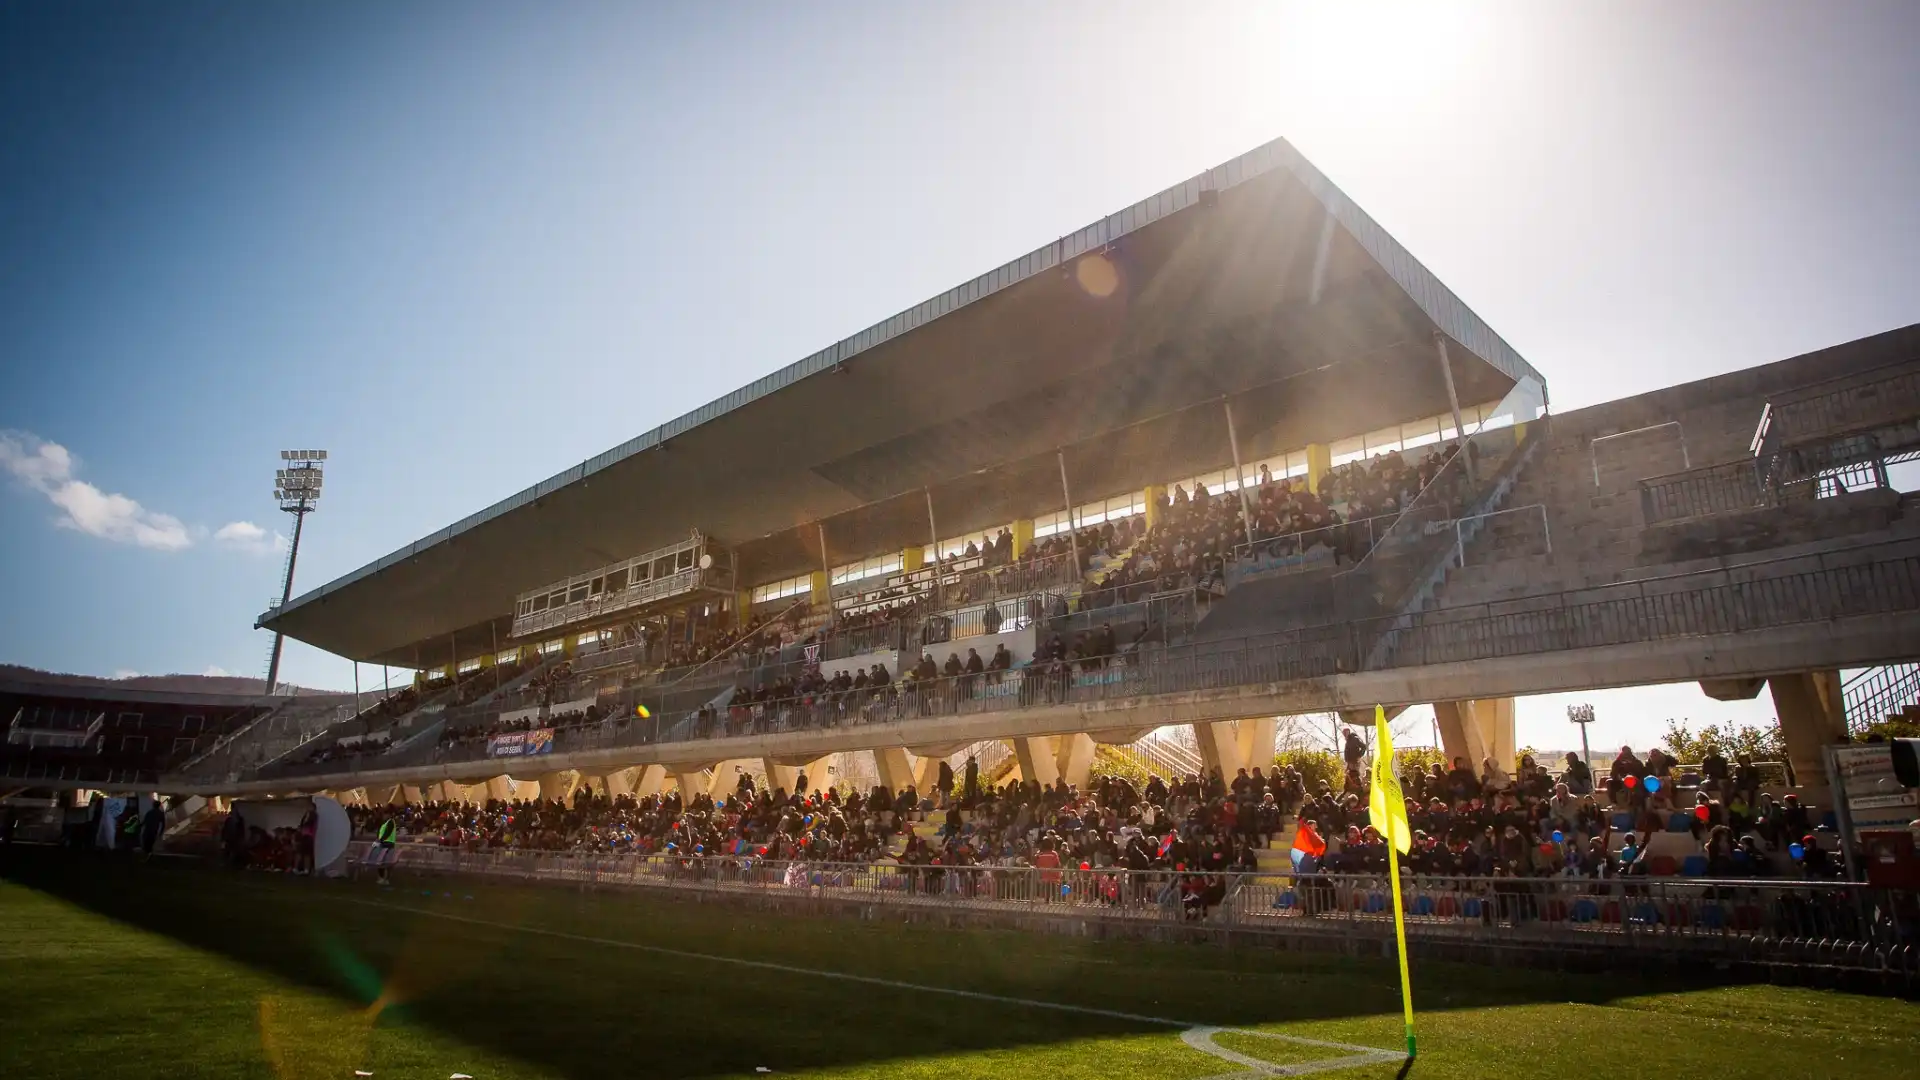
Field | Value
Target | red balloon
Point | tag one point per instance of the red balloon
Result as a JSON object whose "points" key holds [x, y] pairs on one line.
{"points": [[1631, 780], [1701, 812], [1086, 866]]}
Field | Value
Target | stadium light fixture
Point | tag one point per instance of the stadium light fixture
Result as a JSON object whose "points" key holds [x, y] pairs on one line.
{"points": [[1582, 714], [296, 487]]}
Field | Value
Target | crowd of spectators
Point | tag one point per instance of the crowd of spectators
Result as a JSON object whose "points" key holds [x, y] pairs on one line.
{"points": [[1195, 830], [341, 750], [1487, 823]]}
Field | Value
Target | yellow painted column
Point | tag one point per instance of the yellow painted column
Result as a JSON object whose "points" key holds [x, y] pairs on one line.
{"points": [[1155, 493], [1319, 461], [743, 605], [817, 588], [1022, 536], [913, 558]]}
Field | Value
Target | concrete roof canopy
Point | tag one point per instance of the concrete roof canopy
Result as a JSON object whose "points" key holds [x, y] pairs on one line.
{"points": [[1257, 282]]}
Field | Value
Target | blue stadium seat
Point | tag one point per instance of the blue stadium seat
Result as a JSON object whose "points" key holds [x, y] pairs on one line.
{"points": [[1694, 866], [1622, 821], [1679, 822], [1286, 900], [1423, 905], [1585, 910]]}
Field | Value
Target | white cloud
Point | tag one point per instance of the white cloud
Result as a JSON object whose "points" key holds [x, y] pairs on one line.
{"points": [[215, 671], [126, 673], [248, 537], [48, 468]]}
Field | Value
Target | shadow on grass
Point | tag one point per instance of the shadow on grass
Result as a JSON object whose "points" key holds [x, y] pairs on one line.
{"points": [[586, 1009]]}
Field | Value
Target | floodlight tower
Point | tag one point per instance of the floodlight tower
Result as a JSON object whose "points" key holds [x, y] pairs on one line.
{"points": [[296, 487]]}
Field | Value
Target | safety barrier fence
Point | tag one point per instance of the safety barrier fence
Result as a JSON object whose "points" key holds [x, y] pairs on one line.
{"points": [[1889, 394], [1713, 602], [1805, 923], [1875, 694], [1738, 486]]}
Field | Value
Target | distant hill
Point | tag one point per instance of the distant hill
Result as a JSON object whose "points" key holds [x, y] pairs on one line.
{"points": [[159, 684]]}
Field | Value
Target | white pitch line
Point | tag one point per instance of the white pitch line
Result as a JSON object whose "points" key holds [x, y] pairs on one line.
{"points": [[1197, 1036]]}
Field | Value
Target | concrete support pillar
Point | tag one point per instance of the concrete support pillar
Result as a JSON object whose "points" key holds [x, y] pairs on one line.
{"points": [[926, 772], [559, 786], [1022, 536], [1255, 736], [1811, 717], [1232, 745], [819, 776], [1039, 758], [1477, 729], [646, 780], [690, 780], [782, 777], [502, 788], [414, 794], [1319, 462], [1073, 758], [895, 766], [726, 776]]}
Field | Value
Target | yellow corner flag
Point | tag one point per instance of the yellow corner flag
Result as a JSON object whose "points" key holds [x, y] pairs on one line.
{"points": [[1387, 810]]}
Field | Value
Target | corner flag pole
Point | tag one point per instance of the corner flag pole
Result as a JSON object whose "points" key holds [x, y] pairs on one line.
{"points": [[1391, 807]]}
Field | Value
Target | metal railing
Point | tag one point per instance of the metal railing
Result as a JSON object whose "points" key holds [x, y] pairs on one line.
{"points": [[1698, 604], [1738, 486], [1776, 923], [1888, 394], [1716, 489], [1879, 692]]}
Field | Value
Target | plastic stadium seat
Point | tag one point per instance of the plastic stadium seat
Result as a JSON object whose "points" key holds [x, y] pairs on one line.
{"points": [[1646, 913], [1470, 907], [1711, 916], [1423, 905], [1286, 900], [1694, 866], [1449, 907], [1610, 912], [1679, 822], [1622, 821], [1662, 866], [1376, 902], [1554, 910], [1830, 821], [1747, 917], [1585, 910]]}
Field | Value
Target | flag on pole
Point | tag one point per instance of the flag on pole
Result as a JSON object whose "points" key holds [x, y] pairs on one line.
{"points": [[1387, 810]]}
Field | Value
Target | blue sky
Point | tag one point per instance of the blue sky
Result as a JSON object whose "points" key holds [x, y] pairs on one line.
{"points": [[464, 246]]}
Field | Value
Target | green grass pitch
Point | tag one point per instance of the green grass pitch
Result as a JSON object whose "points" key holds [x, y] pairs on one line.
{"points": [[174, 970]]}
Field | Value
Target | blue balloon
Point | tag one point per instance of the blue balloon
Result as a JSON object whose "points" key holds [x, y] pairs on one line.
{"points": [[1653, 783], [1559, 837], [1796, 851]]}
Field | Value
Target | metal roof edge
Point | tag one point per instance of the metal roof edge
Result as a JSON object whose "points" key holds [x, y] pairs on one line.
{"points": [[1439, 303]]}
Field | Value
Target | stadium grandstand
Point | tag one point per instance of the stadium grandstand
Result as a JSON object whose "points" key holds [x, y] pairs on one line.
{"points": [[1228, 455]]}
